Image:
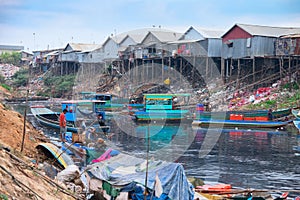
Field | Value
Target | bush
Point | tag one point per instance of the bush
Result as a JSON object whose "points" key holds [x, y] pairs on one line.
{"points": [[62, 85], [20, 78], [6, 87], [11, 58]]}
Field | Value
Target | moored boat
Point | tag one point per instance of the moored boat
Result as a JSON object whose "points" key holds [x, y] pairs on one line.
{"points": [[239, 123], [161, 107], [251, 114], [50, 118], [297, 124], [296, 113]]}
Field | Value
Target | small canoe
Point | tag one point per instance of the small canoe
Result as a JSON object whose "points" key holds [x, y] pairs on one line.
{"points": [[239, 123], [63, 159]]}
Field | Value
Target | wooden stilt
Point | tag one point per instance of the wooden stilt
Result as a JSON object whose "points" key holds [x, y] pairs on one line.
{"points": [[253, 69], [223, 69]]}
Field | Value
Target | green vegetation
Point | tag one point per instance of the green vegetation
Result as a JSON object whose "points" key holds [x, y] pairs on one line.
{"points": [[5, 86], [3, 197], [58, 86], [280, 102], [11, 58], [20, 78]]}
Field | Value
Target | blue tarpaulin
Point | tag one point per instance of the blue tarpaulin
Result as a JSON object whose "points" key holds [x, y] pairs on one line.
{"points": [[127, 173]]}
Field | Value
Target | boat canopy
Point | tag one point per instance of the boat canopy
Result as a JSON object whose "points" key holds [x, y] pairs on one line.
{"points": [[162, 101], [71, 106]]}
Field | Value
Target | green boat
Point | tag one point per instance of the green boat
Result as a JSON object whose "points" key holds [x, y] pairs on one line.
{"points": [[109, 105], [162, 107], [108, 98]]}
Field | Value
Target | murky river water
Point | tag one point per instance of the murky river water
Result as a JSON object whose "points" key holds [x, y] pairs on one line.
{"points": [[259, 159]]}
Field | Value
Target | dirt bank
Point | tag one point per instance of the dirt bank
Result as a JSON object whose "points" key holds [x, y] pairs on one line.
{"points": [[19, 176]]}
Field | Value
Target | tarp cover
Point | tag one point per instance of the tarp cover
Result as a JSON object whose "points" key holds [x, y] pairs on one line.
{"points": [[123, 171]]}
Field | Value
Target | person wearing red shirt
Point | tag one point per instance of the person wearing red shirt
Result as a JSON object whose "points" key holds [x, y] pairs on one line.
{"points": [[63, 125]]}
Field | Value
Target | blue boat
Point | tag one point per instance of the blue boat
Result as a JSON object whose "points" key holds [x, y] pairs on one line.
{"points": [[239, 123], [161, 107]]}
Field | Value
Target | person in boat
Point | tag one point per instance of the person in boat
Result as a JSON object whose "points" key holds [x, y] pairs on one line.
{"points": [[100, 119], [270, 115], [103, 126], [63, 125]]}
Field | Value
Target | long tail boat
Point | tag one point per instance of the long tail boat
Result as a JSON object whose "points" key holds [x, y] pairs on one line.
{"points": [[239, 123], [225, 115]]}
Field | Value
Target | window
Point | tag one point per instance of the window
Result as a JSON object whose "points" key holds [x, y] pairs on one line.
{"points": [[248, 42]]}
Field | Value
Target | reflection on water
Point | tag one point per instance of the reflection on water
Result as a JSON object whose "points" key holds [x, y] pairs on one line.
{"points": [[262, 159], [244, 158]]}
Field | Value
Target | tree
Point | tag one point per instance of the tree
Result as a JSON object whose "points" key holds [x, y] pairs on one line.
{"points": [[20, 78], [11, 58]]}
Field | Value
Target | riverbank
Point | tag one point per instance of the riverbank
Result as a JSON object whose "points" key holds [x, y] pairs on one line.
{"points": [[20, 177]]}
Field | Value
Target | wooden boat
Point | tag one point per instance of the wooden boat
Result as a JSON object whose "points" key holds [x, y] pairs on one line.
{"points": [[62, 159], [162, 107], [251, 114], [92, 107], [297, 123], [22, 99], [107, 98], [50, 118], [109, 105], [295, 113], [239, 123], [135, 107]]}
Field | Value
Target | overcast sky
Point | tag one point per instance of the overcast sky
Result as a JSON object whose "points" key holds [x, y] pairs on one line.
{"points": [[37, 24]]}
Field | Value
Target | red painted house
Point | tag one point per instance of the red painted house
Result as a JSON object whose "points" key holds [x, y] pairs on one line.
{"points": [[248, 41]]}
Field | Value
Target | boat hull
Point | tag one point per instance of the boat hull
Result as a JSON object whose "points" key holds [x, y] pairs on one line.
{"points": [[295, 113], [169, 115], [47, 117], [297, 124], [239, 123], [225, 115]]}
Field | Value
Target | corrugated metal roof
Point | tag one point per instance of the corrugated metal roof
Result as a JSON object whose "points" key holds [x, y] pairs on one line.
{"points": [[139, 34], [12, 47], [268, 30], [291, 36], [166, 36], [208, 33], [122, 48], [83, 47], [53, 53], [183, 41]]}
